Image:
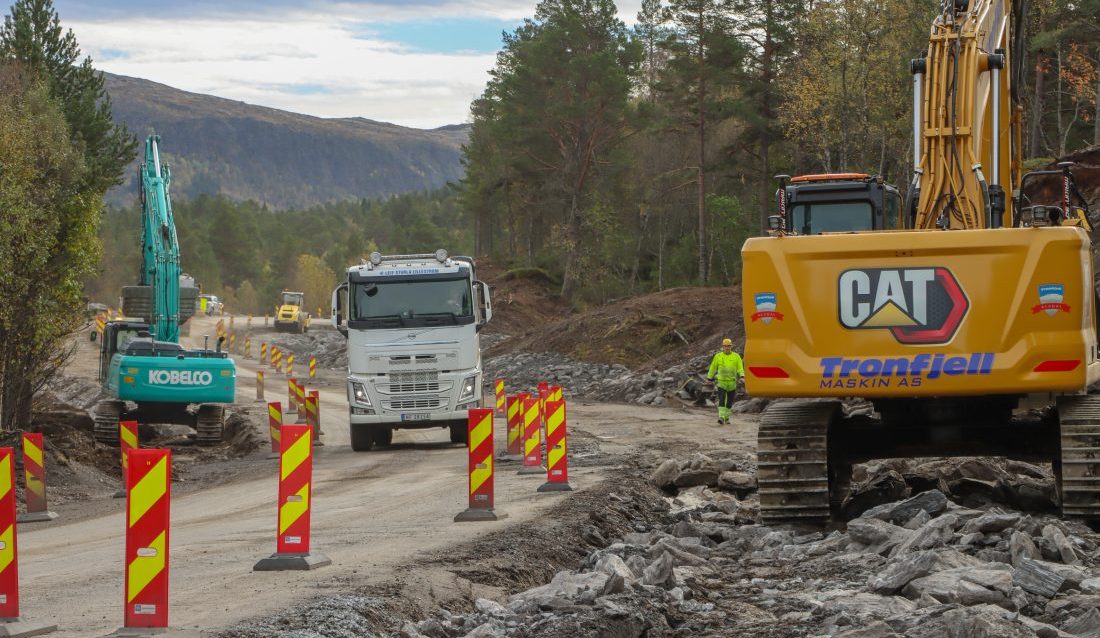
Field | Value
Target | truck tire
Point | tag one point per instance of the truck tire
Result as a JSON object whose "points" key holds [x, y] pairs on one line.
{"points": [[362, 438], [383, 436], [459, 432], [105, 418], [209, 424]]}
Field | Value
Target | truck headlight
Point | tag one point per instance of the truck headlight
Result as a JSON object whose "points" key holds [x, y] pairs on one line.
{"points": [[469, 387], [359, 393]]}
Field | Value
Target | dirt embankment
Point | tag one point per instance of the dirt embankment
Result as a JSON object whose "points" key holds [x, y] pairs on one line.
{"points": [[650, 331]]}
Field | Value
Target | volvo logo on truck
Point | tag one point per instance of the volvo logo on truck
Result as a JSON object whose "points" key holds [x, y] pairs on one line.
{"points": [[917, 305], [180, 377]]}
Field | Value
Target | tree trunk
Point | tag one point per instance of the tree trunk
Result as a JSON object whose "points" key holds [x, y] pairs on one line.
{"points": [[1058, 92], [568, 282], [1036, 133], [701, 175], [1096, 104], [766, 73]]}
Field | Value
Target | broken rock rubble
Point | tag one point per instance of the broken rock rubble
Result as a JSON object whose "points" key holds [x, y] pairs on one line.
{"points": [[920, 566]]}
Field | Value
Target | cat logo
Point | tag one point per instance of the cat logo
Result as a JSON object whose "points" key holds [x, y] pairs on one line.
{"points": [[917, 305]]}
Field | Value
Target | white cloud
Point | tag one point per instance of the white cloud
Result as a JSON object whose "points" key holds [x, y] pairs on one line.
{"points": [[261, 56]]}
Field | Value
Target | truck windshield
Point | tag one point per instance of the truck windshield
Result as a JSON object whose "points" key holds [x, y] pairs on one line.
{"points": [[397, 304], [292, 299], [832, 217]]}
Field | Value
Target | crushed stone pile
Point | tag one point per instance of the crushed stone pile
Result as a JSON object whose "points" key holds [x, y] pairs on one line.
{"points": [[921, 566]]}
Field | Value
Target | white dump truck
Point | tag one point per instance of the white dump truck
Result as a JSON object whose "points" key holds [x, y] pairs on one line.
{"points": [[412, 324]]}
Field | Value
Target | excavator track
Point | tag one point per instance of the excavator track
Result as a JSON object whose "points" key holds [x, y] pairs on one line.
{"points": [[1079, 475], [793, 461], [209, 423], [105, 421]]}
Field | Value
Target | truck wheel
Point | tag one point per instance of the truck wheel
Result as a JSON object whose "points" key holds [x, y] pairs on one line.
{"points": [[383, 436], [459, 432], [362, 438], [209, 424], [105, 420]]}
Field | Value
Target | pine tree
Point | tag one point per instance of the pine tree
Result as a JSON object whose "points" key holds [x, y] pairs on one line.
{"points": [[32, 34]]}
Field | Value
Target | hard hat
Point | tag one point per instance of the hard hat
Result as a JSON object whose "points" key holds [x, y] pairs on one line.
{"points": [[727, 342]]}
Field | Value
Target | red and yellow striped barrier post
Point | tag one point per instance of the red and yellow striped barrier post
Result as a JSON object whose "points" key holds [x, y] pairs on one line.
{"points": [[312, 367], [263, 352], [498, 387], [233, 342], [312, 399], [9, 556], [100, 323], [515, 425], [300, 400], [555, 393], [291, 395], [274, 354], [274, 425], [148, 494], [248, 347], [544, 393], [278, 360], [259, 386], [557, 453], [34, 477], [289, 363], [127, 440], [532, 438], [295, 479], [480, 444]]}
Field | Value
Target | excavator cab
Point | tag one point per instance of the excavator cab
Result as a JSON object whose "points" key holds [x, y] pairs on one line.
{"points": [[117, 335], [835, 203]]}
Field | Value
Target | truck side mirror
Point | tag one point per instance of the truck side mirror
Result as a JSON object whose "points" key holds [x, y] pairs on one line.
{"points": [[338, 308], [485, 303]]}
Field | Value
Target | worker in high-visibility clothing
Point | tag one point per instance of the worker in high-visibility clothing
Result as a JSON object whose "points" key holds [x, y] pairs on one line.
{"points": [[727, 372]]}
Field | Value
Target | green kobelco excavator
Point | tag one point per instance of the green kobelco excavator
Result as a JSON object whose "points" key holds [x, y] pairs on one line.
{"points": [[149, 376]]}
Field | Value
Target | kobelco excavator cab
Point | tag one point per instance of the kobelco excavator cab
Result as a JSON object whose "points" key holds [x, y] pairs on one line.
{"points": [[835, 203]]}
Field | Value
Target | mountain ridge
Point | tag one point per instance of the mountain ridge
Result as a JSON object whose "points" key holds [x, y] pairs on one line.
{"points": [[280, 158]]}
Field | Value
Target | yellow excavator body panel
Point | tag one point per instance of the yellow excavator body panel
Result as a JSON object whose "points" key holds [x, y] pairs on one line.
{"points": [[899, 314]]}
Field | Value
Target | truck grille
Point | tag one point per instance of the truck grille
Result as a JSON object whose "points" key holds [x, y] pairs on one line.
{"points": [[411, 403], [412, 382], [419, 359], [427, 386]]}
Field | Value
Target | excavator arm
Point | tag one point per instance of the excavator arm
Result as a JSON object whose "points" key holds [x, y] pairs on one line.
{"points": [[966, 173], [160, 249]]}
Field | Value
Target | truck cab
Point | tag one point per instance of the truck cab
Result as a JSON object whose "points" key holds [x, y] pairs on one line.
{"points": [[414, 353], [836, 203]]}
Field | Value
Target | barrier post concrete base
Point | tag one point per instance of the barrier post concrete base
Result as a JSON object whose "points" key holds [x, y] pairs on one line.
{"points": [[291, 562], [555, 487], [16, 627], [473, 515], [134, 632], [36, 517], [532, 469]]}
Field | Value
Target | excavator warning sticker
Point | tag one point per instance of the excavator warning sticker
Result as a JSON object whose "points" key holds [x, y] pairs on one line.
{"points": [[1051, 297], [917, 305], [765, 308]]}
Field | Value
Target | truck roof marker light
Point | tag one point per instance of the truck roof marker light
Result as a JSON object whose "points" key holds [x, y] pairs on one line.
{"points": [[1058, 365], [441, 256], [376, 258], [769, 372]]}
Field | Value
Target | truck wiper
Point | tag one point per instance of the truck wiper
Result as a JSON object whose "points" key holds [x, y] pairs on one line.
{"points": [[384, 318]]}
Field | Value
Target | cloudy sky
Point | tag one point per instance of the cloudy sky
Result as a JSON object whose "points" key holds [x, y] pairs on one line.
{"points": [[416, 62]]}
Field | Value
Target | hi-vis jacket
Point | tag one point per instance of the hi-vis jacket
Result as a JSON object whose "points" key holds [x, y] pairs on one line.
{"points": [[725, 369]]}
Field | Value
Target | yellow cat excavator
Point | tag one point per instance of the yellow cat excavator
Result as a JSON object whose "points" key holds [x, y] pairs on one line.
{"points": [[950, 313]]}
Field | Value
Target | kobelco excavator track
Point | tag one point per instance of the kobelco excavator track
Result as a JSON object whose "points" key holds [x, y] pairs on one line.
{"points": [[1079, 478], [792, 461]]}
